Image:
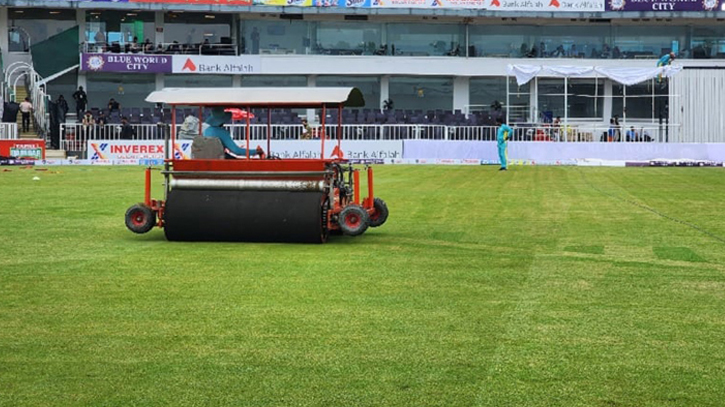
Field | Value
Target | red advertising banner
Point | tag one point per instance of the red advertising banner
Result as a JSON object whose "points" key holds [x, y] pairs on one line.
{"points": [[23, 149]]}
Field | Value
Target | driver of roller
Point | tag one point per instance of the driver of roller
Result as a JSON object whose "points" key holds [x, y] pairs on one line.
{"points": [[216, 129]]}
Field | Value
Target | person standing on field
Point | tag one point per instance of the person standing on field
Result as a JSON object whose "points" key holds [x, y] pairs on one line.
{"points": [[503, 134]]}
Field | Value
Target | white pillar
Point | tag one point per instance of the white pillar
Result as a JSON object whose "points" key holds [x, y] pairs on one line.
{"points": [[461, 93], [81, 21], [159, 27], [4, 39], [384, 89], [534, 100], [607, 107], [159, 81], [311, 83], [508, 99], [566, 108], [237, 81]]}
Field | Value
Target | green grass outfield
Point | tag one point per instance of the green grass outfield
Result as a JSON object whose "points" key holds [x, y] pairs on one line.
{"points": [[542, 286]]}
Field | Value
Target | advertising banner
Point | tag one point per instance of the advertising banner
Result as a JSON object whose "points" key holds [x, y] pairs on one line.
{"points": [[23, 149], [127, 63], [493, 5], [356, 151], [110, 151], [503, 5], [215, 2], [204, 64], [664, 5], [115, 151]]}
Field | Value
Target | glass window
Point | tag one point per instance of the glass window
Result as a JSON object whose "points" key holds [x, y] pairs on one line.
{"points": [[707, 42], [129, 90], [426, 39], [575, 41], [31, 26], [502, 41], [276, 37], [274, 80], [421, 93], [585, 98], [347, 38], [551, 97], [485, 92], [195, 28], [197, 81], [648, 42], [641, 99], [118, 28], [369, 86]]}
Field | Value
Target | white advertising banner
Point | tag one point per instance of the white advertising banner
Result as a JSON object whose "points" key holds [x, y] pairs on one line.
{"points": [[212, 64], [497, 5], [358, 150], [110, 151]]}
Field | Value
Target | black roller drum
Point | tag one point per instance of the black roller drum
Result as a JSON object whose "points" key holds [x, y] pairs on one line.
{"points": [[249, 216]]}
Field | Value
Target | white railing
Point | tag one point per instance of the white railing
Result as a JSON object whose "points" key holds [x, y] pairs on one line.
{"points": [[75, 135], [8, 131]]}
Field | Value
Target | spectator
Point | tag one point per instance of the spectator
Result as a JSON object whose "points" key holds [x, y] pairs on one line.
{"points": [[127, 131], [81, 100], [135, 47], [101, 122], [205, 46], [306, 130], [631, 134], [557, 129], [611, 133], [63, 105], [606, 51], [88, 123], [26, 108], [113, 106], [616, 53], [573, 52]]}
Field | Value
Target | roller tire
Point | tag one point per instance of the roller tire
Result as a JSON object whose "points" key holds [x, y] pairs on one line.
{"points": [[353, 220], [140, 218], [380, 215]]}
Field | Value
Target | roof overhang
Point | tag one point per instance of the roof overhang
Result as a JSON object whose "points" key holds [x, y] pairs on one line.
{"points": [[260, 97]]}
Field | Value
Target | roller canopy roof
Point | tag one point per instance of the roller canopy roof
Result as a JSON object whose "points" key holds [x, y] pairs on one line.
{"points": [[297, 97]]}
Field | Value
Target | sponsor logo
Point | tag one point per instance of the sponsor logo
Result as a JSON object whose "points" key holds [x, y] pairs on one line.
{"points": [[354, 3], [710, 4], [617, 4], [495, 3], [189, 65], [337, 152], [554, 3], [95, 63], [98, 151]]}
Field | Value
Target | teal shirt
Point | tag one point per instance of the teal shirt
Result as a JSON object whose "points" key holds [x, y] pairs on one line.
{"points": [[504, 133], [226, 139], [665, 60]]}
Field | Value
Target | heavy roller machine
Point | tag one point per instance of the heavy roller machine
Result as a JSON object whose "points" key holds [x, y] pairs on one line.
{"points": [[264, 199]]}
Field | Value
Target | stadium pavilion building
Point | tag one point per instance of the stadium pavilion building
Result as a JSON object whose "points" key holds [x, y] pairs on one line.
{"points": [[421, 54]]}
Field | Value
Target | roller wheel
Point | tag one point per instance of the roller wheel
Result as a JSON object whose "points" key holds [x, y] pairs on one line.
{"points": [[140, 218], [380, 214], [353, 220]]}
